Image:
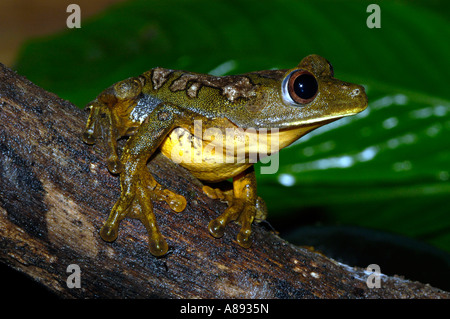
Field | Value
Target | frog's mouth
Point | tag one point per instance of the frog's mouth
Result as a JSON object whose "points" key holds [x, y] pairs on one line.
{"points": [[289, 135], [318, 122], [291, 124]]}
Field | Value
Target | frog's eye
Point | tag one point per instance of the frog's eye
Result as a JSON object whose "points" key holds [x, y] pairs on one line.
{"points": [[300, 87]]}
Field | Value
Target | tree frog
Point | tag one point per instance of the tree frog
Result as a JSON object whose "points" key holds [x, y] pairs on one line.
{"points": [[158, 111]]}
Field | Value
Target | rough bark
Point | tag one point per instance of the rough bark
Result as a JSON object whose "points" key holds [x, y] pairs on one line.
{"points": [[55, 193]]}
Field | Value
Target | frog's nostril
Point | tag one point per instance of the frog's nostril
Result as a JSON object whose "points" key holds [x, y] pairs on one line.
{"points": [[355, 92]]}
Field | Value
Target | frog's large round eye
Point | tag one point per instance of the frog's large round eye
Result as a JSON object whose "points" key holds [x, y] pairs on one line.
{"points": [[302, 86]]}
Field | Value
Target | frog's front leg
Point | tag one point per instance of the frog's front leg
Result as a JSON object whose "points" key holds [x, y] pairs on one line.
{"points": [[138, 187], [243, 206]]}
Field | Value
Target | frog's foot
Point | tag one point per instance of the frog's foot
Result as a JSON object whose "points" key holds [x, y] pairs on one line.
{"points": [[242, 210], [109, 118], [136, 202], [228, 196], [101, 126]]}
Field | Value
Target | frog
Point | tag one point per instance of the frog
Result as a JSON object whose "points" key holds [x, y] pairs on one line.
{"points": [[158, 110]]}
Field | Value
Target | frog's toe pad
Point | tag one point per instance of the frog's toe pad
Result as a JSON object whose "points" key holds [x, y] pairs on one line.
{"points": [[109, 233], [243, 238], [88, 137], [216, 228], [176, 202], [158, 246], [211, 192], [114, 165]]}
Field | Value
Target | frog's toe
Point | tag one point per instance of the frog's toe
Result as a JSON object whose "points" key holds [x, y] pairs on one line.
{"points": [[216, 193], [143, 210], [114, 165], [158, 246], [213, 193], [246, 219], [217, 226], [88, 137], [176, 202], [243, 238], [261, 210], [109, 232]]}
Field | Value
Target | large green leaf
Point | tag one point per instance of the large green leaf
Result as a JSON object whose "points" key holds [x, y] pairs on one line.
{"points": [[387, 168]]}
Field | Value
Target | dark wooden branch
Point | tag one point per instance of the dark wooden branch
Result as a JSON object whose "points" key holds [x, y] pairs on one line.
{"points": [[55, 193]]}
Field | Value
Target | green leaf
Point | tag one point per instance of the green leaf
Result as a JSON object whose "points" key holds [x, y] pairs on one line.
{"points": [[387, 168]]}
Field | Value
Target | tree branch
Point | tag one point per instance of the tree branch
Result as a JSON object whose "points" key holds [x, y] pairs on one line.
{"points": [[55, 193]]}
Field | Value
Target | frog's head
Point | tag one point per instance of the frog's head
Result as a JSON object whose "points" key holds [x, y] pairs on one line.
{"points": [[308, 95]]}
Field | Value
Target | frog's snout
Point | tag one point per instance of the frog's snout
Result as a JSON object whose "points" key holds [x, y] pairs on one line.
{"points": [[360, 93], [358, 97]]}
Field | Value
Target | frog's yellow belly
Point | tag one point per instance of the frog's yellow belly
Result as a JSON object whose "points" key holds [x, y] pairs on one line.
{"points": [[217, 157], [206, 160]]}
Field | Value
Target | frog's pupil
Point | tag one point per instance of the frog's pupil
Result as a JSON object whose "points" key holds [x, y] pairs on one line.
{"points": [[305, 86]]}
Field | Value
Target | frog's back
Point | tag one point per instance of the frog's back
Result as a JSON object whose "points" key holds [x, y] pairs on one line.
{"points": [[204, 94]]}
